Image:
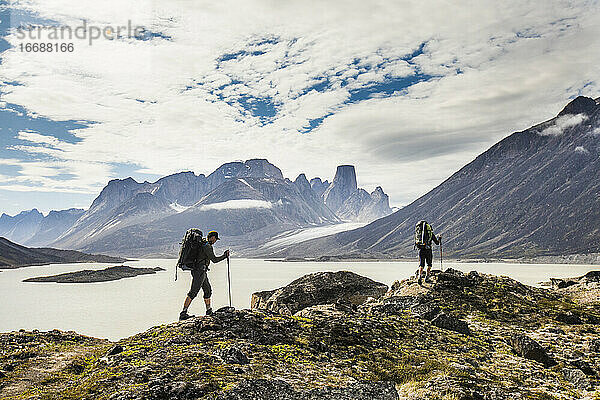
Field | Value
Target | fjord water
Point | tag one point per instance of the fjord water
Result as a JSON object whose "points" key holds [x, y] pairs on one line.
{"points": [[118, 309]]}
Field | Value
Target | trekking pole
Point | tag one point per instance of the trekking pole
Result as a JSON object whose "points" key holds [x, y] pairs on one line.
{"points": [[229, 280], [441, 255]]}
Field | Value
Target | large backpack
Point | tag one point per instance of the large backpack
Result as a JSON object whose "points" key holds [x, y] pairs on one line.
{"points": [[189, 253], [423, 234]]}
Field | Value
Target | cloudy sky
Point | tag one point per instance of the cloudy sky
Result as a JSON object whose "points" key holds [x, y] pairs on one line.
{"points": [[407, 91]]}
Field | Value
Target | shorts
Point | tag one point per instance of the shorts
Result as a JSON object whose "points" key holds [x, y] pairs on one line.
{"points": [[425, 256], [200, 280]]}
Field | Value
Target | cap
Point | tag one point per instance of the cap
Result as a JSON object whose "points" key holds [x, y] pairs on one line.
{"points": [[213, 233]]}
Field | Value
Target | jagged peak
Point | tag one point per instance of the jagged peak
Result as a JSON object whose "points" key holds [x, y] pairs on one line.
{"points": [[301, 178], [128, 180], [257, 161], [346, 174], [579, 105], [33, 211], [378, 191]]}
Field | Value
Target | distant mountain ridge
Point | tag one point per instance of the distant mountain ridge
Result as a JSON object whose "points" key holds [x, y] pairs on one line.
{"points": [[238, 198], [13, 255], [32, 228], [534, 193]]}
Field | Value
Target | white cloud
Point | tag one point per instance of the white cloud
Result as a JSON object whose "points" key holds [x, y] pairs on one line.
{"points": [[237, 204], [562, 123], [518, 64], [33, 137]]}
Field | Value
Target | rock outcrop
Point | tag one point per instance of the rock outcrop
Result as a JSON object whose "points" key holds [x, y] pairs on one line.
{"points": [[526, 347], [318, 288], [409, 343], [584, 289]]}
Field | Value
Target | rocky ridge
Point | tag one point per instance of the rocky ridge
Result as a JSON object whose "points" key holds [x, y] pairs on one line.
{"points": [[13, 255], [463, 336]]}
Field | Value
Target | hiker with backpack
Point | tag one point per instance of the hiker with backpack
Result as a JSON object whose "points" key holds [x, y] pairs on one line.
{"points": [[423, 237], [195, 255]]}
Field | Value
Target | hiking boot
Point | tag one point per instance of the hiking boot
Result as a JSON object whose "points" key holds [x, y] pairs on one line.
{"points": [[420, 281], [209, 311], [427, 279], [184, 315]]}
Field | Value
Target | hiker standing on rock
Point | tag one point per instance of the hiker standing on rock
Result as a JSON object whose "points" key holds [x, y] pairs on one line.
{"points": [[199, 267], [423, 237]]}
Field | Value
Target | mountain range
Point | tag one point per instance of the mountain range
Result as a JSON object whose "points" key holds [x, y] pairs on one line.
{"points": [[241, 200], [534, 193], [34, 229]]}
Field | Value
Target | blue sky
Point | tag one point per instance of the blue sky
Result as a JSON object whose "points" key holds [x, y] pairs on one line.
{"points": [[408, 92]]}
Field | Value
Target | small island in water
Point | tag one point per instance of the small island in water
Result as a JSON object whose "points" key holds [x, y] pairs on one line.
{"points": [[103, 275]]}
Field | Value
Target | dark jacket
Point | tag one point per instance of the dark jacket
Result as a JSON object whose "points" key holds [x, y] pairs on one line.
{"points": [[208, 255]]}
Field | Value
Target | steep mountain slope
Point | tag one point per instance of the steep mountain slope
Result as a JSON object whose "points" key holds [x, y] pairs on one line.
{"points": [[13, 255], [53, 225], [536, 192]]}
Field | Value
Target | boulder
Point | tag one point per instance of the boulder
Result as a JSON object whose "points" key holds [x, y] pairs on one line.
{"points": [[577, 378], [594, 346], [583, 366], [318, 288], [422, 306], [445, 321], [569, 318], [234, 355], [335, 310], [116, 349], [453, 279], [528, 348], [429, 311]]}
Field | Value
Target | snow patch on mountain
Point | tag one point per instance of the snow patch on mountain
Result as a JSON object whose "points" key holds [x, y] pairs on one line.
{"points": [[178, 207], [104, 228], [237, 204], [245, 183], [301, 235]]}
